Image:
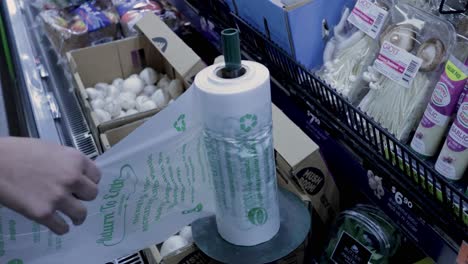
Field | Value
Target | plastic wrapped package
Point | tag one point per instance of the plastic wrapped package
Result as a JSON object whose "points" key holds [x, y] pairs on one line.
{"points": [[55, 4], [413, 47], [89, 24], [131, 11], [353, 48]]}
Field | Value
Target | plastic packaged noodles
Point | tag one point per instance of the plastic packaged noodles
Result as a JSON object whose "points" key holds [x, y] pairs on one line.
{"points": [[413, 47], [353, 48]]}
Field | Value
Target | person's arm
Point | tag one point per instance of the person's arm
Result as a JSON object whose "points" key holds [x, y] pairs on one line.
{"points": [[38, 179]]}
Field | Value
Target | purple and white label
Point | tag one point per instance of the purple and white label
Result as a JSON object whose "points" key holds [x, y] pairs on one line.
{"points": [[368, 17], [397, 64], [457, 139], [432, 117]]}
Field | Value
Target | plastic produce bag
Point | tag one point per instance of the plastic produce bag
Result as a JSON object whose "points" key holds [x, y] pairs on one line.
{"points": [[172, 170], [352, 49]]}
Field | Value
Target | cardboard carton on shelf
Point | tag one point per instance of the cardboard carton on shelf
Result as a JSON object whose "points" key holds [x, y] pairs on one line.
{"points": [[301, 29], [302, 167], [158, 47]]}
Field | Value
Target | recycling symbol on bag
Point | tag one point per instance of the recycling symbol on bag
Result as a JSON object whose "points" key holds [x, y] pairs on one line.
{"points": [[248, 122], [179, 124]]}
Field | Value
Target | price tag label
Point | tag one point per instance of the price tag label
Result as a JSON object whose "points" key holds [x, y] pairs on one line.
{"points": [[397, 64], [368, 17]]}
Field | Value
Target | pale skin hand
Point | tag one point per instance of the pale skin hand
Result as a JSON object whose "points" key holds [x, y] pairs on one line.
{"points": [[38, 179]]}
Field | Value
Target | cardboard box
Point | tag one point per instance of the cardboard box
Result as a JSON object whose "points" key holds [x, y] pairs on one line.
{"points": [[299, 160], [113, 136], [159, 48], [299, 29]]}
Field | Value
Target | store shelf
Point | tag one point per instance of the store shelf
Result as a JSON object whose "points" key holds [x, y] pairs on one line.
{"points": [[46, 94], [442, 203]]}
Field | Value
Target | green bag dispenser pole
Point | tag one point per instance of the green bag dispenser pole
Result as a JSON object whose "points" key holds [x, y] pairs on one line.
{"points": [[232, 54]]}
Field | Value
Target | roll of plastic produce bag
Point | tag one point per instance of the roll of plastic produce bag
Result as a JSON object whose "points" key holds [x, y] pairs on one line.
{"points": [[209, 152]]}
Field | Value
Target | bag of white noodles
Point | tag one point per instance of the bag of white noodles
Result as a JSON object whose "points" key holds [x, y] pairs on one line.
{"points": [[352, 48], [413, 49]]}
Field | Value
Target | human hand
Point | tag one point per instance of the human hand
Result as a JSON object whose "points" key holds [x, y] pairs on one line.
{"points": [[38, 179]]}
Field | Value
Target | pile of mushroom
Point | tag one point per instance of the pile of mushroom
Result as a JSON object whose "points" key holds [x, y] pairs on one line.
{"points": [[138, 93]]}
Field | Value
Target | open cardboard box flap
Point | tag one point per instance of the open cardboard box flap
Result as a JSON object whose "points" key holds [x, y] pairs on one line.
{"points": [[184, 60]]}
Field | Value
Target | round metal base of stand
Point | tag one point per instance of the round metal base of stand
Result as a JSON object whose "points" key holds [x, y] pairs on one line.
{"points": [[294, 227]]}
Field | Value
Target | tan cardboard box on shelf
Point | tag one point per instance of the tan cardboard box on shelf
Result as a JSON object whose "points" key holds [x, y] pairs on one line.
{"points": [[158, 47], [300, 163]]}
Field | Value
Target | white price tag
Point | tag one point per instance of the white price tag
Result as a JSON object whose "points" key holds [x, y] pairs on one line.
{"points": [[397, 64], [368, 17]]}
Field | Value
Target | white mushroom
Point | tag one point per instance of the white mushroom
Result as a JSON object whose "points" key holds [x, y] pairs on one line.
{"points": [[94, 94], [432, 52], [175, 88], [102, 87], [133, 84], [160, 98], [102, 116], [147, 105], [113, 92], [140, 101], [132, 112], [164, 82], [149, 76], [118, 83], [172, 244], [112, 106], [127, 100], [149, 90], [186, 233], [97, 104], [403, 36]]}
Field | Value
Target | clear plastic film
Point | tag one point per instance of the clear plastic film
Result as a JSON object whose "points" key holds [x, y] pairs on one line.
{"points": [[413, 48], [209, 152], [352, 48]]}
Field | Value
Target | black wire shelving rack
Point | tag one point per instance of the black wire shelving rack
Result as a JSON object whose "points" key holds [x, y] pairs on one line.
{"points": [[444, 203]]}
